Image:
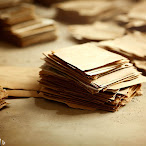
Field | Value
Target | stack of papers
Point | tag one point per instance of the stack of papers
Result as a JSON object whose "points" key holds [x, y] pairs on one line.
{"points": [[22, 27], [82, 11], [135, 52], [31, 32], [3, 95], [11, 3], [89, 77], [17, 14]]}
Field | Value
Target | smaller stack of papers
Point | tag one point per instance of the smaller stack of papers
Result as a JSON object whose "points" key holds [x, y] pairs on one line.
{"points": [[31, 32], [3, 95], [17, 14], [132, 46], [11, 3], [89, 77], [22, 27], [82, 11]]}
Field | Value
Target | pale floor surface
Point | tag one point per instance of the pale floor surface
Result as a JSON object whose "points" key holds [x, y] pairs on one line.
{"points": [[40, 122]]}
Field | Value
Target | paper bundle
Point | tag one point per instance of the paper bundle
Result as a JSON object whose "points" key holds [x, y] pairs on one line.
{"points": [[88, 77], [132, 46], [3, 95], [97, 31], [82, 11], [31, 32], [17, 14], [12, 3], [22, 27], [20, 81]]}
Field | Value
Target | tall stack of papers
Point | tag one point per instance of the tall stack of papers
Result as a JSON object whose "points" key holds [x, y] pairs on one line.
{"points": [[89, 77]]}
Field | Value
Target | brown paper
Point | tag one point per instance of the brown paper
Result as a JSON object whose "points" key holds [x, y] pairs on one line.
{"points": [[67, 76], [135, 52], [123, 45], [135, 19], [20, 81], [97, 31], [141, 65], [82, 11], [18, 14], [11, 3], [3, 95], [31, 32]]}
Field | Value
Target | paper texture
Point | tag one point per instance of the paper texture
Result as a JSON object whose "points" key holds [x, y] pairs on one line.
{"points": [[136, 52], [82, 11], [17, 14], [89, 77], [20, 81], [97, 31]]}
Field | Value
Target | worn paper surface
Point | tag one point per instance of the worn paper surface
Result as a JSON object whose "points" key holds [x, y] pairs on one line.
{"points": [[19, 78], [18, 14], [64, 78], [97, 31]]}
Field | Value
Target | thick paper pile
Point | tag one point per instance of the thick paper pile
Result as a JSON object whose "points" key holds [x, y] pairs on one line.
{"points": [[22, 27], [97, 31], [132, 46], [3, 95], [82, 11], [20, 81], [88, 77]]}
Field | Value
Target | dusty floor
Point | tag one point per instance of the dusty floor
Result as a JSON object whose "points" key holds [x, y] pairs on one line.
{"points": [[40, 122]]}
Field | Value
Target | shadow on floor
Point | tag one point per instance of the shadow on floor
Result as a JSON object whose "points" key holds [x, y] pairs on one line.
{"points": [[62, 109]]}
